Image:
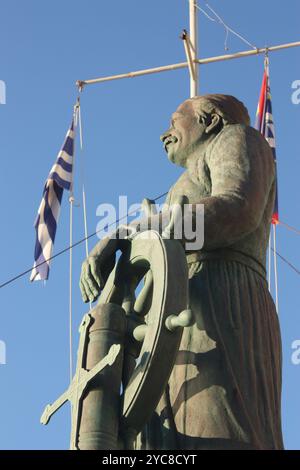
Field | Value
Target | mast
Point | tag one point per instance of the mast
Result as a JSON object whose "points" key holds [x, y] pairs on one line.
{"points": [[194, 79]]}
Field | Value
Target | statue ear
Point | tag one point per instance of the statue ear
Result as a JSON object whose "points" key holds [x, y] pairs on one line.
{"points": [[213, 123]]}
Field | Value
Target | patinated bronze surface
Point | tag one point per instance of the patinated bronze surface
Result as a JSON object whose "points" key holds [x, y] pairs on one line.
{"points": [[224, 391]]}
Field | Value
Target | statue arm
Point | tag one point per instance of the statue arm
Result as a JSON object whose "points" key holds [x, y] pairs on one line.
{"points": [[242, 173], [101, 260]]}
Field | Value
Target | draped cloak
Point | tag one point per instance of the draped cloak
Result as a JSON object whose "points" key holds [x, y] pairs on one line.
{"points": [[225, 388]]}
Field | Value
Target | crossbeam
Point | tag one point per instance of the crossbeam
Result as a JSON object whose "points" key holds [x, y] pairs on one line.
{"points": [[181, 65]]}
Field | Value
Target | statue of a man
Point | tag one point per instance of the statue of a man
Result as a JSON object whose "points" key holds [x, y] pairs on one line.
{"points": [[225, 388]]}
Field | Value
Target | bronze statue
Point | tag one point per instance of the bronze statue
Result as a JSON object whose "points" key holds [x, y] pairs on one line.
{"points": [[225, 387]]}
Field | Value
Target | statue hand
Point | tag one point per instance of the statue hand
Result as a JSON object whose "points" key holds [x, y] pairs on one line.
{"points": [[96, 269]]}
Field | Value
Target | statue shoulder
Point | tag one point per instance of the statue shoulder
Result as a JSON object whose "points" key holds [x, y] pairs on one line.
{"points": [[237, 139]]}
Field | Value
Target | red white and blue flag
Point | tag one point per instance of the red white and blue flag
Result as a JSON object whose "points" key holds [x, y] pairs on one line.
{"points": [[265, 124]]}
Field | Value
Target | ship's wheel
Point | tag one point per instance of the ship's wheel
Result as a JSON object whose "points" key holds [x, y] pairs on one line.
{"points": [[128, 345], [155, 316]]}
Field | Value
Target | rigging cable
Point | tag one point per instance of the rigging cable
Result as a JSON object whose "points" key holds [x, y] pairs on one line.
{"points": [[79, 242], [83, 188], [83, 240], [289, 227], [227, 28]]}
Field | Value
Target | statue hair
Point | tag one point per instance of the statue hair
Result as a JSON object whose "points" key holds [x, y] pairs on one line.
{"points": [[230, 109]]}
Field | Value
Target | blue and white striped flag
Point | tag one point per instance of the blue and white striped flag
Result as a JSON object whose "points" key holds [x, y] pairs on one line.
{"points": [[60, 178]]}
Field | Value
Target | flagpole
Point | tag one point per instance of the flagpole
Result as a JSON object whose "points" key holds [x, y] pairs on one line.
{"points": [[83, 187], [71, 201], [269, 261], [193, 37], [275, 268]]}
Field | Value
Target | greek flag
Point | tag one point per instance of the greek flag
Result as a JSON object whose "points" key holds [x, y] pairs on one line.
{"points": [[265, 124], [60, 178]]}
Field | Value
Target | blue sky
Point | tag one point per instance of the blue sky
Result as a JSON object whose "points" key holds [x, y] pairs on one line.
{"points": [[44, 48]]}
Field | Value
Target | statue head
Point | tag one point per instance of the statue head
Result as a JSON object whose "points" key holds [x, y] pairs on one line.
{"points": [[197, 121]]}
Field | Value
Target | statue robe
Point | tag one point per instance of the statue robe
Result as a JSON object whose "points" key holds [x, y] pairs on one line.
{"points": [[225, 388]]}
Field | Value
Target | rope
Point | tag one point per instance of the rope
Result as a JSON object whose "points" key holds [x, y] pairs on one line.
{"points": [[80, 125], [228, 30], [287, 262], [85, 222], [221, 21], [289, 227], [83, 190], [82, 240], [65, 250]]}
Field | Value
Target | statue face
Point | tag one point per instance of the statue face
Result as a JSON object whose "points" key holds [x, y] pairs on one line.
{"points": [[184, 134]]}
